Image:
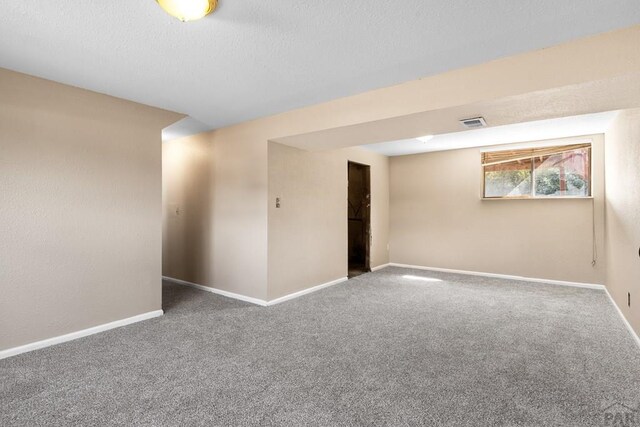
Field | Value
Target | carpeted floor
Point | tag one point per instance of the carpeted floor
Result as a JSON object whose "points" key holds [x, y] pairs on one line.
{"points": [[381, 349]]}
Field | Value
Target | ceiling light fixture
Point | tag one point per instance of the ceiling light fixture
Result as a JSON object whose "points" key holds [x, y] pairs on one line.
{"points": [[425, 138], [188, 10]]}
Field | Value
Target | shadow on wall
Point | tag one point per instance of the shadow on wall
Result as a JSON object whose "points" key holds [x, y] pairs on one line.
{"points": [[188, 209]]}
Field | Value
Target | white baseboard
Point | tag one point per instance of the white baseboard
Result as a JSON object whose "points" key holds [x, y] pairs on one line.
{"points": [[306, 291], [227, 294], [633, 333], [502, 276], [624, 319], [380, 267], [251, 300], [79, 334]]}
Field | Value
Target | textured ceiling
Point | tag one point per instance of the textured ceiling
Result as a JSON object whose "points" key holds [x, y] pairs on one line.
{"points": [[587, 124], [254, 58]]}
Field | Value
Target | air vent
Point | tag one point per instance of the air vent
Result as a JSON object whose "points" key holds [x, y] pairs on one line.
{"points": [[476, 122]]}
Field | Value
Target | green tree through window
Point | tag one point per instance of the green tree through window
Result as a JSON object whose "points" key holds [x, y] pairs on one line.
{"points": [[555, 172]]}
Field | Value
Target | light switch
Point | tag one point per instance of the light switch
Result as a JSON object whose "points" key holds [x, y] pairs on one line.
{"points": [[278, 202]]}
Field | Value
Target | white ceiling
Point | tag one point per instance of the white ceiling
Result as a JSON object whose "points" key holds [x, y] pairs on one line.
{"points": [[588, 124], [185, 127], [254, 58]]}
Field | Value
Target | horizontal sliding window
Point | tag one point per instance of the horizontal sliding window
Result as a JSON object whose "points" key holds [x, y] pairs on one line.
{"points": [[545, 172]]}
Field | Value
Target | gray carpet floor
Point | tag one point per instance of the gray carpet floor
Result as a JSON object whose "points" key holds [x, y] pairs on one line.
{"points": [[381, 349]]}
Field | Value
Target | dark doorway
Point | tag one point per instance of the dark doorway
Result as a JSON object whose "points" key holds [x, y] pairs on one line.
{"points": [[359, 216]]}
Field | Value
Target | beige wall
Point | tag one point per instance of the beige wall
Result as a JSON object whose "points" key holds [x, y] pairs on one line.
{"points": [[308, 233], [80, 178], [218, 183], [240, 211], [187, 195], [238, 255], [623, 213], [80, 218], [439, 220]]}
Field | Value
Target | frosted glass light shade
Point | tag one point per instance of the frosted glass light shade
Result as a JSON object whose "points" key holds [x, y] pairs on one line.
{"points": [[188, 10]]}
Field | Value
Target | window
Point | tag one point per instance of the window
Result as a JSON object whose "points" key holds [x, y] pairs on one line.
{"points": [[545, 172]]}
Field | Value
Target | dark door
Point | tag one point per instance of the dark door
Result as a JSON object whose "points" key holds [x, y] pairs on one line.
{"points": [[359, 217]]}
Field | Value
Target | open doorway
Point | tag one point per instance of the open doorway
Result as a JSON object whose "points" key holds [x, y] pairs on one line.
{"points": [[359, 217]]}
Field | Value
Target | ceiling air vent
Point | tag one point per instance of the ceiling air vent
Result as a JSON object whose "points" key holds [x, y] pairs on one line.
{"points": [[473, 123]]}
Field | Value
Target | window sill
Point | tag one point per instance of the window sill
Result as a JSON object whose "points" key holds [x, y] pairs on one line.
{"points": [[537, 198]]}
